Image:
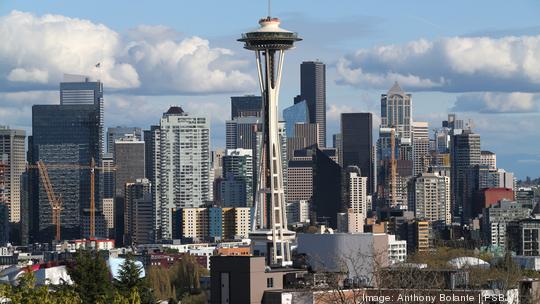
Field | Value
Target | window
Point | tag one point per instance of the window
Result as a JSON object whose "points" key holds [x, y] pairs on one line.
{"points": [[269, 282]]}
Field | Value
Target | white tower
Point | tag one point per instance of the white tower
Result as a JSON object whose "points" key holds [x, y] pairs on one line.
{"points": [[270, 235]]}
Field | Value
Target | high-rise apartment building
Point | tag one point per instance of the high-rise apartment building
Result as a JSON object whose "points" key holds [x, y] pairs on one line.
{"points": [[396, 112], [248, 105], [13, 158], [489, 159], [496, 219], [116, 133], [357, 144], [237, 183], [464, 154], [429, 198], [69, 133], [313, 91], [183, 172], [356, 197], [209, 224]]}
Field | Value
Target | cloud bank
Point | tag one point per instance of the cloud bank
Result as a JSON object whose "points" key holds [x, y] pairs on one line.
{"points": [[37, 50], [457, 64], [489, 102]]}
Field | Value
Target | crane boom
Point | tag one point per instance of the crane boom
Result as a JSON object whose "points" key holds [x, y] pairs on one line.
{"points": [[54, 201]]}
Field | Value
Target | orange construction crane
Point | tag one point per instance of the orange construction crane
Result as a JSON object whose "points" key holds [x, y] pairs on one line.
{"points": [[92, 167], [55, 201]]}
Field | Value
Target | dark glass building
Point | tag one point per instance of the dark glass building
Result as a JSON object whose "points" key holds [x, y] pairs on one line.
{"points": [[357, 144], [326, 201], [313, 91], [464, 156], [249, 105], [69, 133]]}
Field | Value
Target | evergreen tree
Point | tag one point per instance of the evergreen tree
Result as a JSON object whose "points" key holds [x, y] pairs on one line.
{"points": [[91, 277]]}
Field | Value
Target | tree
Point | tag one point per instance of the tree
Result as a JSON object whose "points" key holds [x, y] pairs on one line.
{"points": [[129, 281], [91, 277], [26, 292], [160, 283]]}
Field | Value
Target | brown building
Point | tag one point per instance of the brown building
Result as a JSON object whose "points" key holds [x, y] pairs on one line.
{"points": [[243, 279], [489, 196]]}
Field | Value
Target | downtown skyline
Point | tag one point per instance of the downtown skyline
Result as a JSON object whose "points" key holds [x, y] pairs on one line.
{"points": [[360, 49]]}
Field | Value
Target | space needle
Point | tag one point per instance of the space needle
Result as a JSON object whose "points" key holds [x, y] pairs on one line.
{"points": [[269, 235]]}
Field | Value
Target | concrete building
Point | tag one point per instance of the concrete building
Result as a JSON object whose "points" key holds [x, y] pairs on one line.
{"points": [[429, 198], [116, 133], [244, 279], [12, 155], [420, 130], [213, 223], [108, 213], [496, 218], [237, 183], [313, 91], [138, 213], [182, 176], [524, 237], [300, 180], [359, 253], [420, 155]]}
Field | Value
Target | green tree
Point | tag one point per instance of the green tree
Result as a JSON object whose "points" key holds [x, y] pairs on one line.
{"points": [[130, 282], [26, 292], [91, 277]]}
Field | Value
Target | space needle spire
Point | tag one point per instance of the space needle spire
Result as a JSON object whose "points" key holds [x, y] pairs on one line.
{"points": [[270, 235]]}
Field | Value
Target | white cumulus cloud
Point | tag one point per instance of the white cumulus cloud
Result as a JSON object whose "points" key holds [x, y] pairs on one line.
{"points": [[456, 64], [37, 50]]}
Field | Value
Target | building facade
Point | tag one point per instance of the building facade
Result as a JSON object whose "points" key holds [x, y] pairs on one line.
{"points": [[357, 144], [70, 133], [313, 91], [237, 183], [184, 165], [12, 155]]}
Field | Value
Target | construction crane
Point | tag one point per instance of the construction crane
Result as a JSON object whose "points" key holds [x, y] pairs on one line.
{"points": [[54, 201], [92, 167]]}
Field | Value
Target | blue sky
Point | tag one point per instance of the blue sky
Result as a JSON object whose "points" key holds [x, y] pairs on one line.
{"points": [[475, 58]]}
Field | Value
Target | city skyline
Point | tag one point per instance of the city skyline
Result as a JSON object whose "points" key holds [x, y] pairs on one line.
{"points": [[359, 65]]}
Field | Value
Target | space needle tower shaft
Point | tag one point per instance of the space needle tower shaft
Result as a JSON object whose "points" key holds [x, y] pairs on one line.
{"points": [[269, 43]]}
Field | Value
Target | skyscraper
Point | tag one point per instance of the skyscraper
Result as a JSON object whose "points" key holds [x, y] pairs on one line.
{"points": [[184, 165], [313, 91], [248, 105], [129, 156], [396, 112], [327, 199], [357, 144], [138, 212], [69, 133], [237, 183], [129, 162], [464, 154], [12, 155], [489, 159], [115, 133]]}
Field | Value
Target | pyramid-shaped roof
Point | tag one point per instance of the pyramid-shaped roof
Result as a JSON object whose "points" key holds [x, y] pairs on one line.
{"points": [[396, 89]]}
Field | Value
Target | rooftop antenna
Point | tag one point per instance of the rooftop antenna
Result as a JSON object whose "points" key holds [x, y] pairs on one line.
{"points": [[269, 8]]}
